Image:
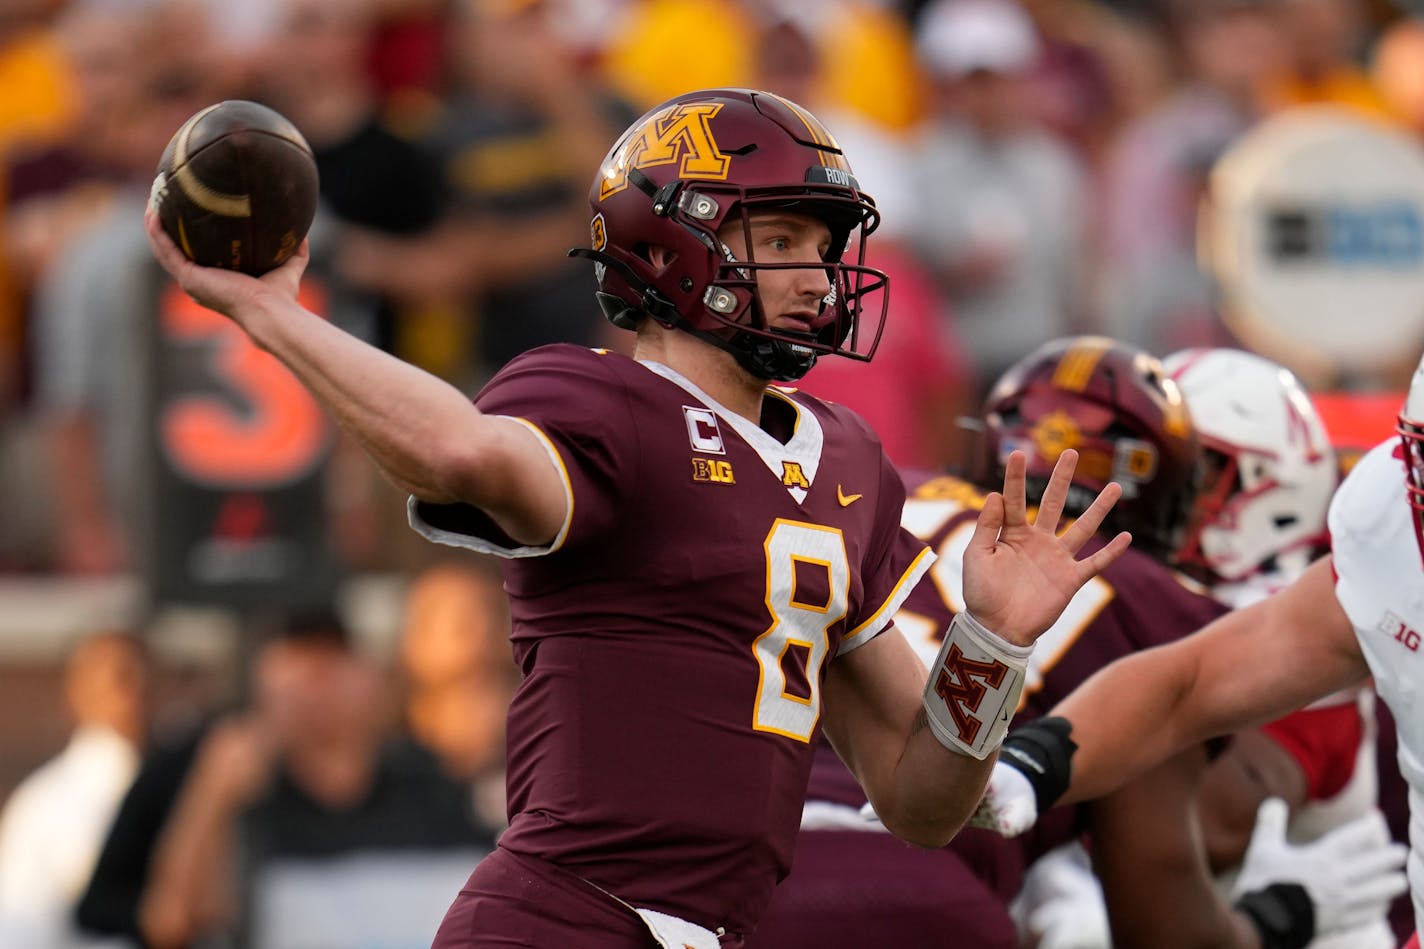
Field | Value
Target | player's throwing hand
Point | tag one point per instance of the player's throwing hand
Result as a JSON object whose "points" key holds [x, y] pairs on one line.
{"points": [[225, 291]]}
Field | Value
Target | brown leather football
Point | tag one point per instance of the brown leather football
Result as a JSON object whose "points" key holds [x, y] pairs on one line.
{"points": [[237, 187]]}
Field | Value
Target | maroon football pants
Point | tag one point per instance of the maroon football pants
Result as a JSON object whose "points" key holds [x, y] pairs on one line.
{"points": [[850, 889], [512, 900]]}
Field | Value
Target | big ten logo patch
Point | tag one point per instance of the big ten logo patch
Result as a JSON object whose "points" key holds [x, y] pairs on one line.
{"points": [[1401, 631], [713, 470]]}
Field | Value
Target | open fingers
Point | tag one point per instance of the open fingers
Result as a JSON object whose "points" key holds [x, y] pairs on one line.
{"points": [[1101, 558], [990, 522], [1050, 506], [1088, 523], [1015, 477]]}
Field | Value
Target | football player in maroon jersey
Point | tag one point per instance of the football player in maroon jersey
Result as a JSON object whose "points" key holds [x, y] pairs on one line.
{"points": [[703, 568], [1115, 405]]}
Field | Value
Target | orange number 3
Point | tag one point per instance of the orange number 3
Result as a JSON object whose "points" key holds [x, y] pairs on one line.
{"points": [[263, 429]]}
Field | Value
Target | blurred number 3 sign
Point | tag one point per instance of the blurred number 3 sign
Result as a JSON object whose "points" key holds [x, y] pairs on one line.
{"points": [[259, 428], [239, 450]]}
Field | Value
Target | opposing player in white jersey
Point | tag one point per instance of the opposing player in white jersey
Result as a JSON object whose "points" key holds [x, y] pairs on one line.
{"points": [[1262, 521], [1259, 521], [1354, 614]]}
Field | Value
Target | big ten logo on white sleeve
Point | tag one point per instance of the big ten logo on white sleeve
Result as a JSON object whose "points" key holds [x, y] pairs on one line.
{"points": [[927, 518]]}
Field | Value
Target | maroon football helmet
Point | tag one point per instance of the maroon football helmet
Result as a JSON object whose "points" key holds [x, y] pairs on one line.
{"points": [[1116, 406], [691, 165]]}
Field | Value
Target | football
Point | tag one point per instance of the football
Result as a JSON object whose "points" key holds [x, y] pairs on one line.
{"points": [[236, 187]]}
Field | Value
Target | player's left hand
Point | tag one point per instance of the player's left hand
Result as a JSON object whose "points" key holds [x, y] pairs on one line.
{"points": [[1018, 576]]}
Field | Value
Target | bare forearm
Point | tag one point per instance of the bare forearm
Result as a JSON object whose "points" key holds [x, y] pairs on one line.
{"points": [[1126, 718], [934, 789], [402, 416], [1248, 667]]}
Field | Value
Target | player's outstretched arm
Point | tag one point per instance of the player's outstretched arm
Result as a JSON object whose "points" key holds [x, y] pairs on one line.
{"points": [[425, 435], [922, 751], [1248, 667]]}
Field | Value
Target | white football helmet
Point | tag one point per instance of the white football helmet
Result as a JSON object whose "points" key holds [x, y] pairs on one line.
{"points": [[1411, 437], [1271, 468]]}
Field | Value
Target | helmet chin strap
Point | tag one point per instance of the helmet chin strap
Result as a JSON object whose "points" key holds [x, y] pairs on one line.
{"points": [[774, 359]]}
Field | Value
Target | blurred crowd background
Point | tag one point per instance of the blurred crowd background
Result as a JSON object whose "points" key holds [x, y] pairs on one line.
{"points": [[1039, 165]]}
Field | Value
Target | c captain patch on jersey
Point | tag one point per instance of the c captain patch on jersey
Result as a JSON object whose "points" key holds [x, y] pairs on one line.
{"points": [[702, 430], [236, 187]]}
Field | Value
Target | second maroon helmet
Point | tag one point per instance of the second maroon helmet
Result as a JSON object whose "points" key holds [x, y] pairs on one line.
{"points": [[706, 159], [1116, 406]]}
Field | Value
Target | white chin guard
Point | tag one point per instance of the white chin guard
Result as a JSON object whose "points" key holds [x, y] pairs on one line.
{"points": [[974, 687]]}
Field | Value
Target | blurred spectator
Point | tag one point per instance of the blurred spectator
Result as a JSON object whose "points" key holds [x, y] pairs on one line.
{"points": [[665, 47], [1072, 88], [1324, 40], [868, 66], [459, 675], [920, 379], [315, 70], [37, 106], [53, 825], [1397, 70], [406, 61], [296, 821], [1002, 213], [91, 306], [522, 132], [1152, 289]]}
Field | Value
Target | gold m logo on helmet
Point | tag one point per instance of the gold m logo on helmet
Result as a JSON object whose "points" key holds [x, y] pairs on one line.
{"points": [[680, 133], [1054, 434]]}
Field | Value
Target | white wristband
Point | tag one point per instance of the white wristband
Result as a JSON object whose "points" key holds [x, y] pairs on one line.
{"points": [[974, 687]]}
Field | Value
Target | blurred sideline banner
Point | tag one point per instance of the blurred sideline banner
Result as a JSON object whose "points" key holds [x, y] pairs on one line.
{"points": [[1313, 227], [237, 455]]}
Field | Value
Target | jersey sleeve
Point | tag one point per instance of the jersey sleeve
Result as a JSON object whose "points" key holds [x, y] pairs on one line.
{"points": [[1324, 741], [895, 561], [573, 401]]}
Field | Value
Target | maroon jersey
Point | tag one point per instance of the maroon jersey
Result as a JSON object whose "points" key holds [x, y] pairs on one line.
{"points": [[675, 635]]}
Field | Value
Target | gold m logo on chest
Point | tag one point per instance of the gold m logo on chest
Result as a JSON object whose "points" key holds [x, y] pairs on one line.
{"points": [[962, 684], [793, 476]]}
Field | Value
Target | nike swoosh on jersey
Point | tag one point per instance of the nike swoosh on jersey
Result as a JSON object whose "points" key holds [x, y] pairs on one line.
{"points": [[846, 499]]}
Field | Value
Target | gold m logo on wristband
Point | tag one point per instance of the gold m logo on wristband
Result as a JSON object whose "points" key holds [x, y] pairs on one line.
{"points": [[962, 685]]}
